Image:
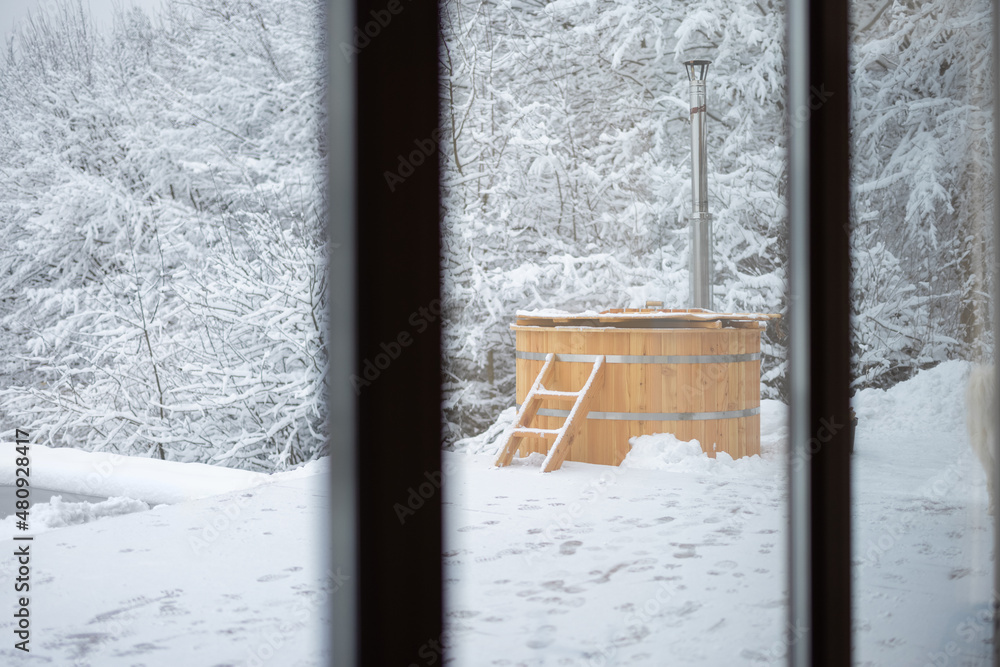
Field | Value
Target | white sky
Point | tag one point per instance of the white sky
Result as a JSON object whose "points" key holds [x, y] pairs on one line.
{"points": [[101, 11]]}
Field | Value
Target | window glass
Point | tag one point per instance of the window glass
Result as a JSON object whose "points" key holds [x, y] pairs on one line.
{"points": [[922, 259], [567, 176]]}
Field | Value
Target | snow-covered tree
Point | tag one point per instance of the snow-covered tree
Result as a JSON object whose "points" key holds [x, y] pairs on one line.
{"points": [[567, 169], [165, 266], [567, 174], [922, 173]]}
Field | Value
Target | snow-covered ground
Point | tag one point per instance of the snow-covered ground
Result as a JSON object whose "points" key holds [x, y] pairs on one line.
{"points": [[231, 573], [671, 559], [678, 559]]}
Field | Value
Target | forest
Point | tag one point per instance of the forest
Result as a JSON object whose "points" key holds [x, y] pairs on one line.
{"points": [[566, 158], [163, 276], [163, 272]]}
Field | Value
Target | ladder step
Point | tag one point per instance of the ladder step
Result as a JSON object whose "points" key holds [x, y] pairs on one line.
{"points": [[550, 393], [548, 433]]}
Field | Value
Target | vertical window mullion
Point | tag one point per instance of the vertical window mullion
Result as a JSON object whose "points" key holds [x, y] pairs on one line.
{"points": [[396, 378], [819, 631]]}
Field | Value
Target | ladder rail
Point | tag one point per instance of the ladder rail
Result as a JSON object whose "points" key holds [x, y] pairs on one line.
{"points": [[524, 416], [537, 386], [577, 415]]}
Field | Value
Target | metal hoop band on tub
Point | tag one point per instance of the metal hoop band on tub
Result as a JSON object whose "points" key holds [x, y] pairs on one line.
{"points": [[655, 416], [646, 359]]}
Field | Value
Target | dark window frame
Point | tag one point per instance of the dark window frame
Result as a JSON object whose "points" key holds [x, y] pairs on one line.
{"points": [[385, 357], [819, 540]]}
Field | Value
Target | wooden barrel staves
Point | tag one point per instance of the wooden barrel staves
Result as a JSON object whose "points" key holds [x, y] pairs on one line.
{"points": [[688, 374]]}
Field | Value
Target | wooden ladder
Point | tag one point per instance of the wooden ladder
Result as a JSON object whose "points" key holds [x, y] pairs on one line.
{"points": [[566, 434]]}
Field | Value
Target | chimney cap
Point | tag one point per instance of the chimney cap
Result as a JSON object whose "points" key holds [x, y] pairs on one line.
{"points": [[697, 69]]}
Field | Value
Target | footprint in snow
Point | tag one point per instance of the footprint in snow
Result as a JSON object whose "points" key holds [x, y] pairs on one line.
{"points": [[272, 577], [543, 638], [170, 608], [569, 548]]}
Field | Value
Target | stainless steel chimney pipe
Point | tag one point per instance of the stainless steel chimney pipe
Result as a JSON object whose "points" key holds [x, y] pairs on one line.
{"points": [[701, 219]]}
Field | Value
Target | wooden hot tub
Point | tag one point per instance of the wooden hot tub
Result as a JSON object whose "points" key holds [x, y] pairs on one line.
{"points": [[692, 373]]}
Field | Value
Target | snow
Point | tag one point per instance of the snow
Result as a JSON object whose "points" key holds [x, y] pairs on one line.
{"points": [[555, 312], [671, 554], [234, 578], [677, 554], [923, 537], [108, 474], [56, 514], [652, 315]]}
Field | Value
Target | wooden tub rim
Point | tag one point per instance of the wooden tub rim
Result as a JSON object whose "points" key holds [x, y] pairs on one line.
{"points": [[561, 328]]}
